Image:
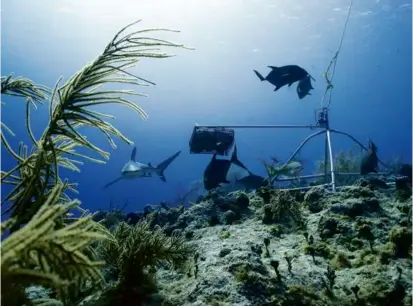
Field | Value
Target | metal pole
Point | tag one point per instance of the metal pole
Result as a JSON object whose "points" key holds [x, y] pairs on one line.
{"points": [[305, 188], [260, 126], [358, 174], [299, 177], [325, 159], [330, 151], [299, 148]]}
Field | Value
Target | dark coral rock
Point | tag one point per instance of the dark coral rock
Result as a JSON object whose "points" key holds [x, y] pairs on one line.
{"points": [[401, 237], [99, 215], [237, 202], [148, 209], [403, 188], [213, 221], [356, 207], [314, 194], [372, 183], [242, 201], [267, 218], [264, 193], [133, 218], [224, 252], [229, 217], [356, 192], [189, 234], [328, 227], [313, 199], [364, 232]]}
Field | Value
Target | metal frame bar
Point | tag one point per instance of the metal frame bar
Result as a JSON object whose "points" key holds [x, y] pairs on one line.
{"points": [[328, 156], [268, 126]]}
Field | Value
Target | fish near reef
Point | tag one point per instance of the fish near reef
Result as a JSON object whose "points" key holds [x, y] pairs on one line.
{"points": [[292, 168], [284, 75], [369, 162], [134, 169]]}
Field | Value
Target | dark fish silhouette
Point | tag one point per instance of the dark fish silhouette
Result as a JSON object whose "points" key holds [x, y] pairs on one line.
{"points": [[304, 86], [369, 162], [281, 76], [252, 182], [223, 171]]}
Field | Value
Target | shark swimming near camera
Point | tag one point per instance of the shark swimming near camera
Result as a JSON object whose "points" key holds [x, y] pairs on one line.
{"points": [[134, 169], [221, 172]]}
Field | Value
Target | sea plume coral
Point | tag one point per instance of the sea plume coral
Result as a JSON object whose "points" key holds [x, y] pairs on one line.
{"points": [[41, 253], [134, 255], [37, 170]]}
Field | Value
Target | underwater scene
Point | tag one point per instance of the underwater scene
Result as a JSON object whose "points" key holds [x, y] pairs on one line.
{"points": [[206, 153]]}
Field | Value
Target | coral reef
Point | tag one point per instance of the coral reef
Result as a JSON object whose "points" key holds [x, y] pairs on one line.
{"points": [[351, 251]]}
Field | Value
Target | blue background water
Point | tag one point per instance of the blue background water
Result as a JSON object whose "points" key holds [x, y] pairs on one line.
{"points": [[215, 84]]}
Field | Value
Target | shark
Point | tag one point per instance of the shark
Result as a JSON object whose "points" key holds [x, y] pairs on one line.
{"points": [[223, 172], [134, 169]]}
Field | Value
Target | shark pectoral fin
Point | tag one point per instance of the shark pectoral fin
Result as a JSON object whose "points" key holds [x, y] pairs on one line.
{"points": [[112, 182], [272, 67]]}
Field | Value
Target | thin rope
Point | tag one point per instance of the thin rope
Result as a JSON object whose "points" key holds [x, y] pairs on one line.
{"points": [[333, 63]]}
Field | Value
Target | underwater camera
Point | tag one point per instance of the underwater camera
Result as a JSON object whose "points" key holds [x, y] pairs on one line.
{"points": [[211, 140]]}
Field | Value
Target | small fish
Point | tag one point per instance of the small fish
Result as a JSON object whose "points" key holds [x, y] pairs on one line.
{"points": [[293, 168], [281, 76], [369, 162], [134, 169], [223, 171], [304, 86]]}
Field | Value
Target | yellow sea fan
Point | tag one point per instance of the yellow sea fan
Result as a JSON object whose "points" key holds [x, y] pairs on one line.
{"points": [[38, 254]]}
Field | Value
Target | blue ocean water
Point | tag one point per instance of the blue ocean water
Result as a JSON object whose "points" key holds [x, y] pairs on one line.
{"points": [[215, 83]]}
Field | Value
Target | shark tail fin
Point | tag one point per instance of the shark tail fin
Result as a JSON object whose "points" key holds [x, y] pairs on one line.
{"points": [[163, 165], [259, 75]]}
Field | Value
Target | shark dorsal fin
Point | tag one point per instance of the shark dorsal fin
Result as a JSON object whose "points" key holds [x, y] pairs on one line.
{"points": [[133, 155], [235, 160], [273, 67]]}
